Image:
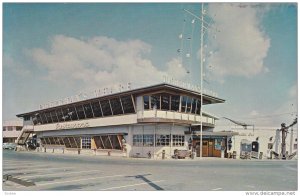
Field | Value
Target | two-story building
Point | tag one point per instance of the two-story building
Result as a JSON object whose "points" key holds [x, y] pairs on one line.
{"points": [[137, 122]]}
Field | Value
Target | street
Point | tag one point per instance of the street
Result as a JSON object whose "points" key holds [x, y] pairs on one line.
{"points": [[31, 171]]}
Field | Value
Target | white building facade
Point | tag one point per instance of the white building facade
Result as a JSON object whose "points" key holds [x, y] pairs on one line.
{"points": [[151, 122], [11, 130]]}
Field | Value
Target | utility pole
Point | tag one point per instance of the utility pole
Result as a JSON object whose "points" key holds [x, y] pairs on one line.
{"points": [[284, 131], [201, 79]]}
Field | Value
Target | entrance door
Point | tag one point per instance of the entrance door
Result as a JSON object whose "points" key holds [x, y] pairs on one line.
{"points": [[205, 149], [210, 148]]}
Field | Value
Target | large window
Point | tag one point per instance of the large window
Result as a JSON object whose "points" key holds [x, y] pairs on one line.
{"points": [[127, 104], [188, 104], [198, 106], [146, 102], [86, 142], [155, 102], [66, 113], [148, 140], [183, 103], [60, 115], [165, 102], [137, 140], [178, 140], [162, 140], [80, 112], [72, 113], [105, 108], [44, 120], [96, 109], [116, 106], [88, 110], [54, 116], [175, 101], [194, 104]]}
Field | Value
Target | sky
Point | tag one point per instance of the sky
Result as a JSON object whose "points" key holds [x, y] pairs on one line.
{"points": [[52, 51]]}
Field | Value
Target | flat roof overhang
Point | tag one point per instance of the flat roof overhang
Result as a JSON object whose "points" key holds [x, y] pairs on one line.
{"points": [[207, 99], [219, 134]]}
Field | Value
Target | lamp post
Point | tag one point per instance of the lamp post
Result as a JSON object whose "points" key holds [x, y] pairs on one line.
{"points": [[201, 79]]}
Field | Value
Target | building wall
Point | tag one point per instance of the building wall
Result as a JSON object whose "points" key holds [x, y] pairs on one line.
{"points": [[10, 132], [265, 136]]}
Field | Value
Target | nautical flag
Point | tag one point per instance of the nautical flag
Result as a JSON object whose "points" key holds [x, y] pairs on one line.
{"points": [[193, 21], [188, 55], [180, 36]]}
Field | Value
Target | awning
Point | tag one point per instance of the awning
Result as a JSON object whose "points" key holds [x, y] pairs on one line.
{"points": [[221, 133]]}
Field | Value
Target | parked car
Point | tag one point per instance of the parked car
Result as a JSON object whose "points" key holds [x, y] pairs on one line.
{"points": [[9, 146]]}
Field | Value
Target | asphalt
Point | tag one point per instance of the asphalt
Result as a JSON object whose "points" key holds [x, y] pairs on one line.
{"points": [[32, 171]]}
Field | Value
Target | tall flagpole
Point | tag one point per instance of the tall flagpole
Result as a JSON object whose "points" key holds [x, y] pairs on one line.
{"points": [[201, 79]]}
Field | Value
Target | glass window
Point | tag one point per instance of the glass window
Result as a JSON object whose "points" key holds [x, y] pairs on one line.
{"points": [[162, 140], [194, 103], [96, 109], [19, 128], [165, 102], [146, 102], [188, 104], [80, 112], [86, 142], [48, 116], [60, 115], [183, 103], [148, 140], [37, 119], [105, 108], [88, 110], [128, 104], [53, 116], [137, 140], [44, 120], [4, 129], [9, 128], [155, 102], [72, 113], [175, 99], [66, 114], [178, 140], [198, 106], [116, 106]]}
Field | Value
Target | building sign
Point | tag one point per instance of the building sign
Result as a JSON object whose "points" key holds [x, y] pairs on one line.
{"points": [[71, 125], [87, 95], [187, 85]]}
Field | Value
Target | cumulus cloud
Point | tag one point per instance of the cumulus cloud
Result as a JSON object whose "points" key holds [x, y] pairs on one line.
{"points": [[239, 46], [16, 67], [101, 61]]}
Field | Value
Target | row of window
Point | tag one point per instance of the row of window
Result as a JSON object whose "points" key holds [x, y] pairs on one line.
{"points": [[161, 140], [11, 128], [100, 142], [93, 109], [172, 103]]}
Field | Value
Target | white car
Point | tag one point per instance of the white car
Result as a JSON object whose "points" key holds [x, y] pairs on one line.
{"points": [[9, 146]]}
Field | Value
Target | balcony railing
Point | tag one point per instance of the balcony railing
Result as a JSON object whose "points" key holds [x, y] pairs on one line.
{"points": [[170, 115]]}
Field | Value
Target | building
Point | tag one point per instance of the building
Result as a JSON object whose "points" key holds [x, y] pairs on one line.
{"points": [[151, 121], [264, 141], [11, 131]]}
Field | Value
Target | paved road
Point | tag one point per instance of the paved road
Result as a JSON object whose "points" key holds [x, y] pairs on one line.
{"points": [[47, 171]]}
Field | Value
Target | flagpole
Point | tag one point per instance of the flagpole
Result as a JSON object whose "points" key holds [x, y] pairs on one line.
{"points": [[201, 79]]}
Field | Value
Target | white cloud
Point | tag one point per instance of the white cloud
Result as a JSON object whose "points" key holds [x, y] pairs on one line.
{"points": [[101, 61], [241, 45], [16, 67]]}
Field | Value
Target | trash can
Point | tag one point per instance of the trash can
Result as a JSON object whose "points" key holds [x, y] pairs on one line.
{"points": [[222, 153], [234, 154], [260, 155]]}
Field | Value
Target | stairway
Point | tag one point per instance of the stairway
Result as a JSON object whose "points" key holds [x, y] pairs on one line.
{"points": [[25, 133]]}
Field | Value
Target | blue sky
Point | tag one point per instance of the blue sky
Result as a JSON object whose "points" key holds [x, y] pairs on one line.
{"points": [[51, 51]]}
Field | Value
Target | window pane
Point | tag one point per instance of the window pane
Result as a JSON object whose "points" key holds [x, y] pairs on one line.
{"points": [[175, 99], [96, 109], [183, 103], [162, 140], [137, 140], [178, 140], [194, 106], [72, 113], [105, 108], [128, 105], [86, 142], [155, 102], [188, 104], [116, 106], [80, 112], [66, 115], [53, 116], [60, 115], [165, 102], [198, 106], [148, 140], [44, 118], [88, 110], [146, 102]]}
